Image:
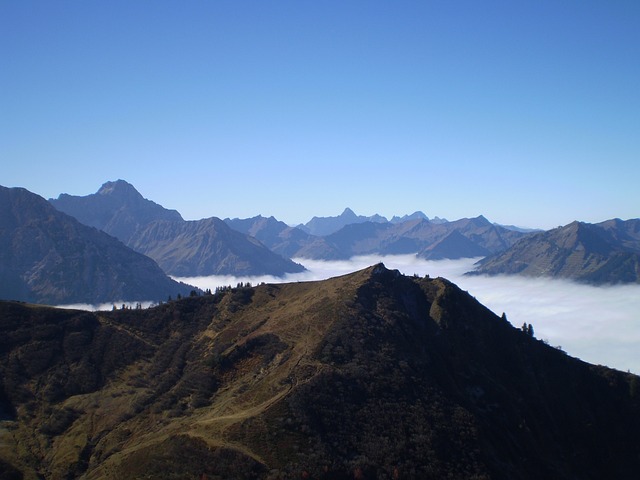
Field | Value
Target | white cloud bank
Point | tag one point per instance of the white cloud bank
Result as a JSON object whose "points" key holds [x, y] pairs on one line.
{"points": [[600, 325], [106, 306]]}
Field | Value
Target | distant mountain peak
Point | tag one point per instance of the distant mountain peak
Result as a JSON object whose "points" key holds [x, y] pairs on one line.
{"points": [[380, 269], [327, 225], [414, 216], [116, 208], [348, 213], [119, 188]]}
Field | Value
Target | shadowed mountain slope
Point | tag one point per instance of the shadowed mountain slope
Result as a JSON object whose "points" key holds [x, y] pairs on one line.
{"points": [[208, 247], [49, 257], [371, 375], [181, 248], [607, 252], [453, 246], [290, 242]]}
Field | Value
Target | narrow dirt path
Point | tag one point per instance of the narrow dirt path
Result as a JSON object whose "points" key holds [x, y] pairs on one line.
{"points": [[247, 412]]}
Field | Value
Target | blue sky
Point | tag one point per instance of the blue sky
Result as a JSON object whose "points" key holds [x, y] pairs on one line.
{"points": [[526, 112]]}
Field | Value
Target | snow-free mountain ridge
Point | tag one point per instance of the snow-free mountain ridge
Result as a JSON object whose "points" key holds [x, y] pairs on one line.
{"points": [[602, 253], [264, 245], [181, 248]]}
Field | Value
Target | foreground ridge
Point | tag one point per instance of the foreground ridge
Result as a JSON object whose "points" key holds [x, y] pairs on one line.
{"points": [[368, 375]]}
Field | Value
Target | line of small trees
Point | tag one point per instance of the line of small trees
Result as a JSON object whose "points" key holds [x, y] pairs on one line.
{"points": [[220, 290]]}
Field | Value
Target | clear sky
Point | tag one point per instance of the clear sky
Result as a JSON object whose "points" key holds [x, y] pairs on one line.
{"points": [[526, 112]]}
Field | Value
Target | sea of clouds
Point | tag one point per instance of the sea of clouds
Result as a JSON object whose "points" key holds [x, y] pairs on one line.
{"points": [[600, 325]]}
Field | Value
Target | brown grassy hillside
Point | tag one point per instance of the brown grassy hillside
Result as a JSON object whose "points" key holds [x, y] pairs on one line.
{"points": [[369, 375]]}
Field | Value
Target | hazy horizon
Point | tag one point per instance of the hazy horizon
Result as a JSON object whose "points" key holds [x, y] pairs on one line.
{"points": [[340, 211]]}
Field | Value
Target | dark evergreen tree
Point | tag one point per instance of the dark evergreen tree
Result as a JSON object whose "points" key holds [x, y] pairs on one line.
{"points": [[530, 330]]}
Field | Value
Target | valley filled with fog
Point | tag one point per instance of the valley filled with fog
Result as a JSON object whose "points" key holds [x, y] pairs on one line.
{"points": [[600, 325]]}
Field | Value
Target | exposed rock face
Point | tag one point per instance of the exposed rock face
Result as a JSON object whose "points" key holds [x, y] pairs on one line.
{"points": [[368, 375], [181, 248], [49, 257], [608, 252]]}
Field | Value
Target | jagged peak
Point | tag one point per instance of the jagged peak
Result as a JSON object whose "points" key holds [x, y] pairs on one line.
{"points": [[414, 216], [481, 220], [347, 212], [577, 228], [380, 269], [118, 187]]}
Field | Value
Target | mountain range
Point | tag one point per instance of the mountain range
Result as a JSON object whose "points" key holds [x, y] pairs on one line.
{"points": [[475, 237], [261, 245], [321, 226], [603, 253], [49, 257], [265, 245], [39, 272], [182, 248], [274, 234], [370, 375]]}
